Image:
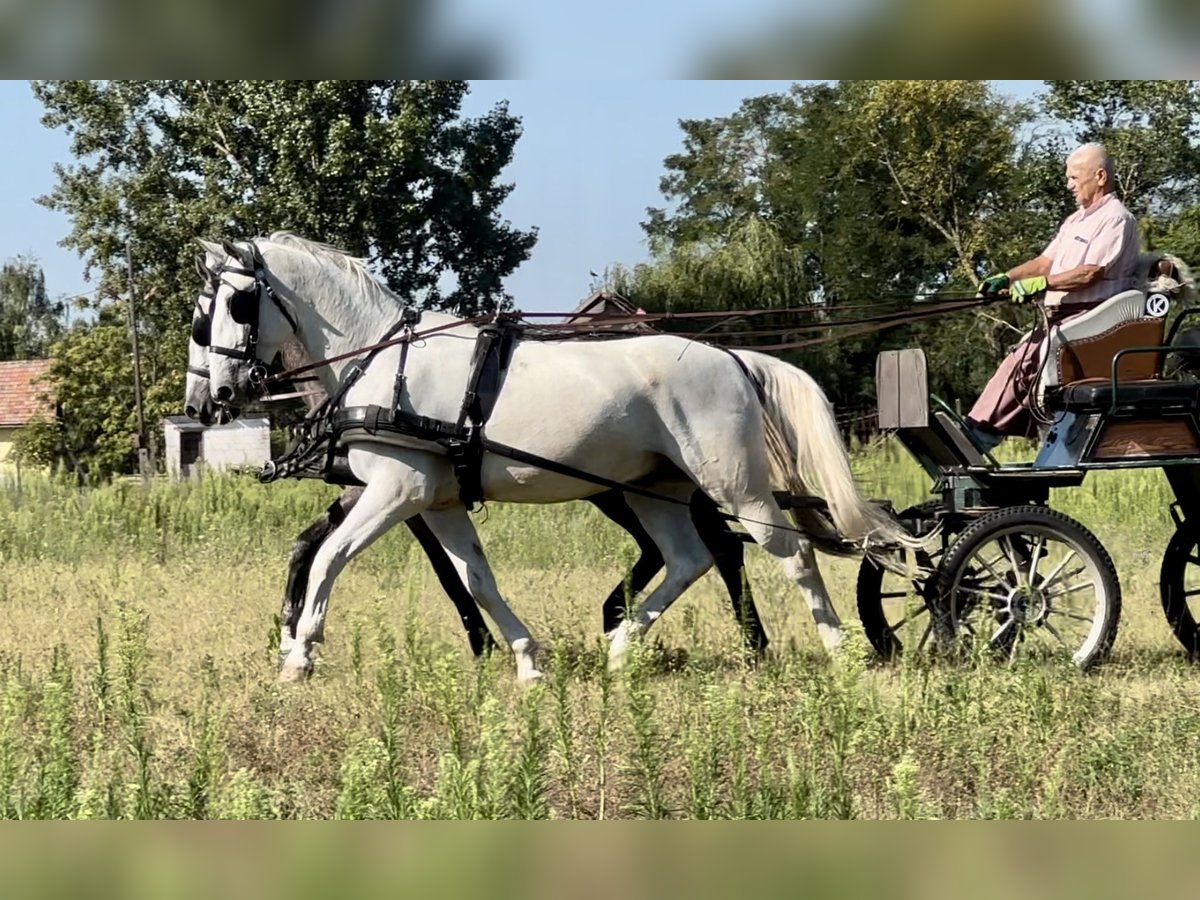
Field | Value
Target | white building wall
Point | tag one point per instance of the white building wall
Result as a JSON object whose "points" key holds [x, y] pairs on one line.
{"points": [[241, 443], [238, 444], [171, 448]]}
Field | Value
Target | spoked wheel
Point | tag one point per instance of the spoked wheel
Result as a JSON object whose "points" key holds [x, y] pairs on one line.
{"points": [[894, 609], [1029, 581], [1179, 582]]}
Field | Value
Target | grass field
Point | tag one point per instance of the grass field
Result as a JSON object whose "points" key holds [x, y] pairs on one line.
{"points": [[137, 679]]}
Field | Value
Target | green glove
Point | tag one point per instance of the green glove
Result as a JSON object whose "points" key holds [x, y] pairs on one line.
{"points": [[1026, 289], [993, 284]]}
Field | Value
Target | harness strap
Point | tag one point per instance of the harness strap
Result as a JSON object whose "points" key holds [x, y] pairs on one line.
{"points": [[375, 419], [493, 348], [378, 420], [259, 273]]}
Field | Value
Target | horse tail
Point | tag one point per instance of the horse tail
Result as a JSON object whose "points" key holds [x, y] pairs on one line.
{"points": [[807, 454]]}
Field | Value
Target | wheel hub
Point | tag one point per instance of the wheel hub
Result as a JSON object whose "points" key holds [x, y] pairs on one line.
{"points": [[1026, 605]]}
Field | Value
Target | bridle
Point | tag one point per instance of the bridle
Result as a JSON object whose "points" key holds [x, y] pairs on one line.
{"points": [[202, 324], [244, 309]]}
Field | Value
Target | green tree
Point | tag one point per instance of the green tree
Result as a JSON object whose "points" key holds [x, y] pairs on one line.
{"points": [[717, 180], [383, 169], [94, 435], [29, 320], [1150, 128], [875, 192]]}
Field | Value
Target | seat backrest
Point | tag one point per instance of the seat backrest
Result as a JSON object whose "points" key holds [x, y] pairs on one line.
{"points": [[1084, 346]]}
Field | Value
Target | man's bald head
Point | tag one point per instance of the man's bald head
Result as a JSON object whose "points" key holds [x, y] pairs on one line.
{"points": [[1090, 174]]}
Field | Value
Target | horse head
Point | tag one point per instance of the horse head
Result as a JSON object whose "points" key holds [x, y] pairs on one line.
{"points": [[245, 330]]}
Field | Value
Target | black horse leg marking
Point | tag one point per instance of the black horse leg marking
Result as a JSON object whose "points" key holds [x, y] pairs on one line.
{"points": [[303, 551], [728, 551], [649, 563], [307, 544], [722, 542], [478, 634]]}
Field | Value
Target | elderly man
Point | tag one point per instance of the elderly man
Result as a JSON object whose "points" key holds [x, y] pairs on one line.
{"points": [[1093, 256]]}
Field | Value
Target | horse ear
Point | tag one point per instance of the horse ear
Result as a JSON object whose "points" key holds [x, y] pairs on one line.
{"points": [[214, 256], [241, 254]]}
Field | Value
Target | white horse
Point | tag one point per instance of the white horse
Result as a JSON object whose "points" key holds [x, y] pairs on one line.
{"points": [[725, 545], [657, 411]]}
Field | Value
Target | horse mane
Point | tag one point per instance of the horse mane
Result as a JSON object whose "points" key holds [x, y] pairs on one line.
{"points": [[354, 266]]}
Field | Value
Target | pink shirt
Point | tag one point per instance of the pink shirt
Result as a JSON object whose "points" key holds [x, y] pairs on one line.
{"points": [[1105, 235]]}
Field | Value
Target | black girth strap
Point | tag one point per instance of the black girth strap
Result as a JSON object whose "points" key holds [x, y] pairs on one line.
{"points": [[378, 420]]}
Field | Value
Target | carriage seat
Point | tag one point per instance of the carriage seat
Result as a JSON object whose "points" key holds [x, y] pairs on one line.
{"points": [[1083, 348], [1095, 395]]}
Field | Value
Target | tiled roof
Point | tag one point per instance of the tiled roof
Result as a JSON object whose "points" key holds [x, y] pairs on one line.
{"points": [[20, 385], [604, 302]]}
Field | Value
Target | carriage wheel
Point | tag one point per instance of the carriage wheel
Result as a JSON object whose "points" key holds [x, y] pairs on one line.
{"points": [[1179, 583], [893, 608], [1030, 581]]}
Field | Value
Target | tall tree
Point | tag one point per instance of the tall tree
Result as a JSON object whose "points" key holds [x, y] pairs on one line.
{"points": [[29, 320], [717, 181], [876, 192], [1152, 129], [386, 170]]}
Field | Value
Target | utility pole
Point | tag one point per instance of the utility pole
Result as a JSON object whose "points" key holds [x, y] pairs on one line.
{"points": [[145, 462]]}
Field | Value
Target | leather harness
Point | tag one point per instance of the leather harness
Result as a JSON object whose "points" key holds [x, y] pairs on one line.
{"points": [[324, 431]]}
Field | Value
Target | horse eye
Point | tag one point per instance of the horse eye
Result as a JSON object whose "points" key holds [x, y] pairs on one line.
{"points": [[201, 331], [242, 307]]}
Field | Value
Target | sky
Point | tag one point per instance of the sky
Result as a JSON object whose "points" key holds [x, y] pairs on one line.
{"points": [[586, 167]]}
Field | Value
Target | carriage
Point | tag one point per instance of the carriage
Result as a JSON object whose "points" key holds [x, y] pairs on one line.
{"points": [[991, 564], [1011, 572]]}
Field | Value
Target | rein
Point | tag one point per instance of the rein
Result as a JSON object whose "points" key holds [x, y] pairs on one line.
{"points": [[612, 323], [868, 326], [379, 345]]}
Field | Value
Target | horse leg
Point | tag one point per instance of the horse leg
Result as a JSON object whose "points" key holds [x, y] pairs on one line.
{"points": [[649, 563], [305, 548], [728, 552], [478, 634], [771, 529], [300, 563], [456, 532], [745, 490], [686, 559], [379, 507]]}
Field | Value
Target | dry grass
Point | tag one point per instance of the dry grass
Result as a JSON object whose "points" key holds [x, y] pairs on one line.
{"points": [[399, 721]]}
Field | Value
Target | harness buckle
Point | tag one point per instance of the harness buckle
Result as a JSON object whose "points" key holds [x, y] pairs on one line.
{"points": [[258, 374]]}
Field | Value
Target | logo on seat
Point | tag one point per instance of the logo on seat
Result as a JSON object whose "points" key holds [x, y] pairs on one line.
{"points": [[1157, 305]]}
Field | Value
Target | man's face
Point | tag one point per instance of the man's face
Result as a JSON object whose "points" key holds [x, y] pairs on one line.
{"points": [[1085, 178]]}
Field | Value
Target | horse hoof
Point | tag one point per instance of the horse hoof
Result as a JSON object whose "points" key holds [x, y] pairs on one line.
{"points": [[525, 650], [620, 642], [831, 637]]}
